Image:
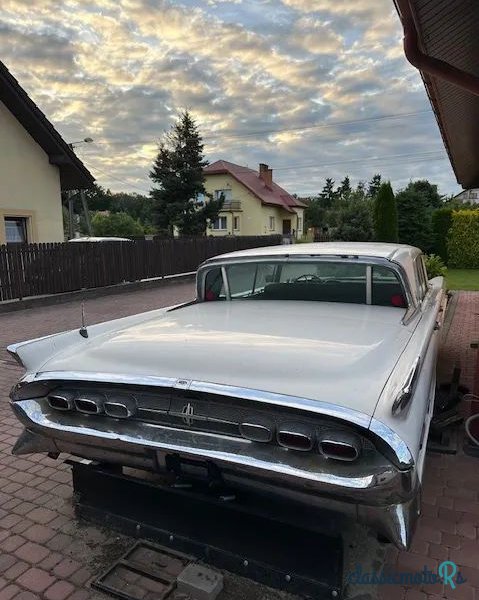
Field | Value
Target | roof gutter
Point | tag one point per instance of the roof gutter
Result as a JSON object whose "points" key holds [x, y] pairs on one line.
{"points": [[428, 64]]}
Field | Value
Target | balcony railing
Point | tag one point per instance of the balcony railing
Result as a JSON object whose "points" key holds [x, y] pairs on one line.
{"points": [[231, 205]]}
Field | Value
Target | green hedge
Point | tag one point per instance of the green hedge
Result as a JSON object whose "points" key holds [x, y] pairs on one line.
{"points": [[463, 240], [441, 223]]}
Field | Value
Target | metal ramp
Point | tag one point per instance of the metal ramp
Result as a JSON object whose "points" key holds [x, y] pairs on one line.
{"points": [[255, 537]]}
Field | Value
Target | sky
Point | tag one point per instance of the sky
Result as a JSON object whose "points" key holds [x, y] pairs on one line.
{"points": [[314, 88]]}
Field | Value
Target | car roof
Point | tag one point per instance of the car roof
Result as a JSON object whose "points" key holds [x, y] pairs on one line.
{"points": [[397, 252]]}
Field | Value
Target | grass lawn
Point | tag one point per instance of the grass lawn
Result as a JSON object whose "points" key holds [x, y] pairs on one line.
{"points": [[462, 279]]}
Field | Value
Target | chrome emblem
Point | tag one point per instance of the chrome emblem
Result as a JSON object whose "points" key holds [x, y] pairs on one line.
{"points": [[188, 411]]}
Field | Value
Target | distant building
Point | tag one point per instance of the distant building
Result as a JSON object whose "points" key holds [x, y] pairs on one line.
{"points": [[468, 196], [36, 165], [253, 203]]}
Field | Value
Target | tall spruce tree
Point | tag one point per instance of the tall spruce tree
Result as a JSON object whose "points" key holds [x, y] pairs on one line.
{"points": [[344, 190], [374, 185], [385, 214], [327, 194], [178, 175]]}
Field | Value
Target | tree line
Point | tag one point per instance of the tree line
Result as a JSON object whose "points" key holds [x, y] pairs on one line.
{"points": [[178, 201], [372, 212]]}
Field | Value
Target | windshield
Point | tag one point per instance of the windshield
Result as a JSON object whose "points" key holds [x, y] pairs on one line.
{"points": [[325, 281]]}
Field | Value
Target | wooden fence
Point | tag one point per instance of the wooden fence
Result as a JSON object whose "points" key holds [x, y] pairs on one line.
{"points": [[38, 269]]}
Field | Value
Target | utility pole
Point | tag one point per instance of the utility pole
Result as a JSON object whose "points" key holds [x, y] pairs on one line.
{"points": [[84, 202], [71, 216]]}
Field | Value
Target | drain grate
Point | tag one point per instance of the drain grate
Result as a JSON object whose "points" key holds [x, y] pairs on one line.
{"points": [[145, 572]]}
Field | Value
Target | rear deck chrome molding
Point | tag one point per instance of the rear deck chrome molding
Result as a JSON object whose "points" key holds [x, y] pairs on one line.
{"points": [[395, 522], [379, 483], [403, 456]]}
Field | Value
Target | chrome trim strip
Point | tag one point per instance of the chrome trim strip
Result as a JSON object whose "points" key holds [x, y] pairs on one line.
{"points": [[369, 284], [405, 395], [226, 283], [399, 447], [234, 451], [391, 438]]}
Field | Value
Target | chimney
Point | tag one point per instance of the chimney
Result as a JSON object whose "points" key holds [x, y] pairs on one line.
{"points": [[266, 174]]}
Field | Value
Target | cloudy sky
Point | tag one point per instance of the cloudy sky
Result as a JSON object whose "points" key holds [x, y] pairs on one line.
{"points": [[314, 88]]}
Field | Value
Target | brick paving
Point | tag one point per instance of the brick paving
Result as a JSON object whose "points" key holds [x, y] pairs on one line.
{"points": [[46, 553], [448, 528]]}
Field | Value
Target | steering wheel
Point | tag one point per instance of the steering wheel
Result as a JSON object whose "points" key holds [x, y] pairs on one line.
{"points": [[309, 277]]}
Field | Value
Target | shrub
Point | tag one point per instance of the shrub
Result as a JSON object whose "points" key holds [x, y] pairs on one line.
{"points": [[463, 239], [385, 215], [116, 224], [354, 223], [435, 266], [441, 223], [414, 219]]}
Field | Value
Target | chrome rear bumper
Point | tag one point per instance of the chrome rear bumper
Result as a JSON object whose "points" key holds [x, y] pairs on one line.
{"points": [[378, 495]]}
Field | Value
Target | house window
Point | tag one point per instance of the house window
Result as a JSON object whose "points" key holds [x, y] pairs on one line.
{"points": [[236, 223], [16, 229], [220, 223], [271, 224], [227, 194], [300, 225]]}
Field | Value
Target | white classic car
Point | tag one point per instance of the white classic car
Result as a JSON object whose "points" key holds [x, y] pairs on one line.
{"points": [[304, 371]]}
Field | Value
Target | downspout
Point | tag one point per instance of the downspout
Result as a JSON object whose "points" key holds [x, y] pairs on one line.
{"points": [[428, 64]]}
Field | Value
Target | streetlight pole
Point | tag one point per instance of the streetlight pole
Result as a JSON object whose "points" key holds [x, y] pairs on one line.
{"points": [[71, 196]]}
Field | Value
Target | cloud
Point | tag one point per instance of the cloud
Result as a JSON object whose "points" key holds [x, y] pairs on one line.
{"points": [[119, 70]]}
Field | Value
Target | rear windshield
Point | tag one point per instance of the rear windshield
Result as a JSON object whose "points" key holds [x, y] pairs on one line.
{"points": [[295, 280]]}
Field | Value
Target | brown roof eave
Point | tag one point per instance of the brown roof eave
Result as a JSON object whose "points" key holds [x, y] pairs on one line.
{"points": [[442, 44], [73, 173]]}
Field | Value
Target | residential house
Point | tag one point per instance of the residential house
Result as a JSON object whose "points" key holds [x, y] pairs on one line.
{"points": [[468, 196], [36, 165], [253, 203]]}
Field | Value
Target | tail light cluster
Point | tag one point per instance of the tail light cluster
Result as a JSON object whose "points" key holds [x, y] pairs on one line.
{"points": [[120, 406], [334, 444]]}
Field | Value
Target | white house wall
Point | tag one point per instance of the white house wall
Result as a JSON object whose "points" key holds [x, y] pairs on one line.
{"points": [[29, 184]]}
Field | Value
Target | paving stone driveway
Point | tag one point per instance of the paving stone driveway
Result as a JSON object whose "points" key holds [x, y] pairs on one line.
{"points": [[46, 553]]}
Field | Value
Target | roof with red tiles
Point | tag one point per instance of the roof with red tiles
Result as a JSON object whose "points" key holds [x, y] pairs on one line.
{"points": [[272, 195]]}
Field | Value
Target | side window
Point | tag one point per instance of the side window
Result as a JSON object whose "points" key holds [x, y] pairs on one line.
{"points": [[386, 288], [214, 287], [421, 280], [249, 279], [423, 263]]}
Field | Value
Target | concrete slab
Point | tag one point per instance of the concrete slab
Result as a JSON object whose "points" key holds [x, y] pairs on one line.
{"points": [[200, 582]]}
